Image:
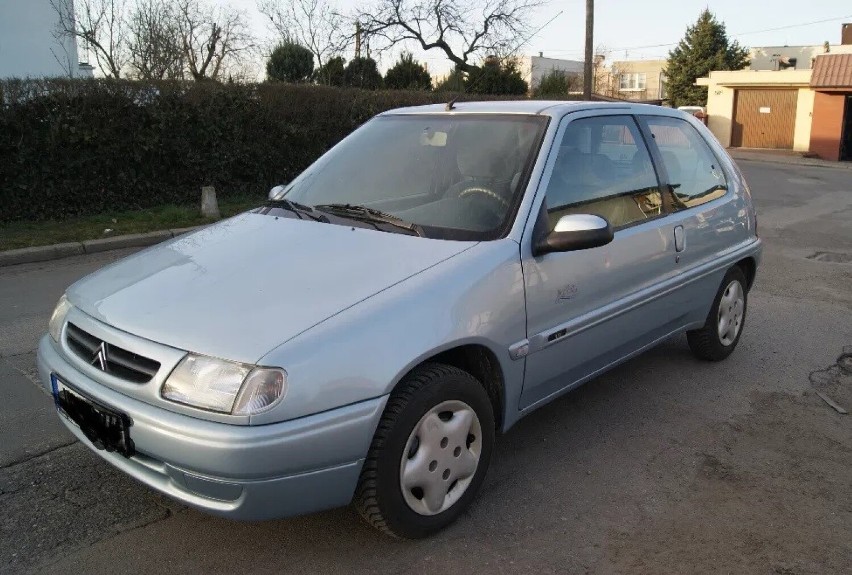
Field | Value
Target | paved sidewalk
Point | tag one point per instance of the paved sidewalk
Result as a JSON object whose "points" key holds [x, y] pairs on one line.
{"points": [[787, 157]]}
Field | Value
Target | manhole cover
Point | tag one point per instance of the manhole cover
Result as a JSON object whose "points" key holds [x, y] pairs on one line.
{"points": [[833, 257]]}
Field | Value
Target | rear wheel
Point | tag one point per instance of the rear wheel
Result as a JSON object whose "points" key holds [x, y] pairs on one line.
{"points": [[430, 453], [721, 332]]}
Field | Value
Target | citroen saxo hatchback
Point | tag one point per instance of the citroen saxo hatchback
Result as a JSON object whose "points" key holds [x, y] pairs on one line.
{"points": [[433, 278]]}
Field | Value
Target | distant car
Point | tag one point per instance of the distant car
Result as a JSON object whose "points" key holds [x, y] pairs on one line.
{"points": [[436, 276], [698, 111]]}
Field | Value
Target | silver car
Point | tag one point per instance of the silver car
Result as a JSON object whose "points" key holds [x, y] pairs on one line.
{"points": [[364, 334]]}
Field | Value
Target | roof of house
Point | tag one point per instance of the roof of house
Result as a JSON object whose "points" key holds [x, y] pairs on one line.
{"points": [[832, 71]]}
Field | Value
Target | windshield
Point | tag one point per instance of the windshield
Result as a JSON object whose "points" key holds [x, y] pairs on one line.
{"points": [[453, 176]]}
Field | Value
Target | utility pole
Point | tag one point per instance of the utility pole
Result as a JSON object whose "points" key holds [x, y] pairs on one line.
{"points": [[357, 40], [588, 74]]}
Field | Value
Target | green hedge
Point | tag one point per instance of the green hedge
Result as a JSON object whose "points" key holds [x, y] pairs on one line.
{"points": [[92, 146]]}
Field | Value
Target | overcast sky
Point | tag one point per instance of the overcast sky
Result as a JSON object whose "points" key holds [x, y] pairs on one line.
{"points": [[633, 29]]}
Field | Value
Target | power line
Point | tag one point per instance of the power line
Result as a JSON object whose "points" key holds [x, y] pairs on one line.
{"points": [[787, 27], [793, 26]]}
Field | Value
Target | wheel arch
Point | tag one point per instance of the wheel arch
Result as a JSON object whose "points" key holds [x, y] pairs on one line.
{"points": [[482, 363], [749, 267]]}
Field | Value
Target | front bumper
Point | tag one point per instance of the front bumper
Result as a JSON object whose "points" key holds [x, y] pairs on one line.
{"points": [[243, 472]]}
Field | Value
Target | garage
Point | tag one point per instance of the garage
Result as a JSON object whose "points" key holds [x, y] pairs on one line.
{"points": [[764, 118], [831, 130]]}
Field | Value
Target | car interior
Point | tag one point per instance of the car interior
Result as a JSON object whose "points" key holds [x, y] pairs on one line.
{"points": [[482, 169], [602, 171]]}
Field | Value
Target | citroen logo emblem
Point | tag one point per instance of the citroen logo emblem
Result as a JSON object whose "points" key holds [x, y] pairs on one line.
{"points": [[100, 359]]}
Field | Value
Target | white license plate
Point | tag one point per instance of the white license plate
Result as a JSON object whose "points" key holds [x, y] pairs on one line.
{"points": [[106, 428]]}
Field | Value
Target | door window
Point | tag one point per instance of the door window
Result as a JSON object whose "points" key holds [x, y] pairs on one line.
{"points": [[603, 167], [694, 171]]}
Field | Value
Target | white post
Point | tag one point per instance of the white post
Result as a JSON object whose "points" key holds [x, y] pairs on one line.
{"points": [[209, 205]]}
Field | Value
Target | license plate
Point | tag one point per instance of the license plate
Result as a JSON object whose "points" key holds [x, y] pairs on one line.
{"points": [[105, 427]]}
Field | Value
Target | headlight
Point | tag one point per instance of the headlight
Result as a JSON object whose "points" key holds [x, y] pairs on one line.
{"points": [[225, 386], [57, 318]]}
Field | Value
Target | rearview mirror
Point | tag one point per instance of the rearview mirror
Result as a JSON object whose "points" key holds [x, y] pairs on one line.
{"points": [[276, 191], [575, 232]]}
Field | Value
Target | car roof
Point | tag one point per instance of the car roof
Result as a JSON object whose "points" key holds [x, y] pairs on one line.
{"points": [[553, 108]]}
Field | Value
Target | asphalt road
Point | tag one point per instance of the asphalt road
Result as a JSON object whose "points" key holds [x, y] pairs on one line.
{"points": [[664, 465]]}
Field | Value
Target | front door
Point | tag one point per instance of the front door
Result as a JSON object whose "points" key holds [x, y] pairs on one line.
{"points": [[846, 132], [588, 309]]}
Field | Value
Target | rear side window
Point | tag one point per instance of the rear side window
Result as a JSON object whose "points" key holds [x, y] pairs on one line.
{"points": [[603, 167], [694, 171]]}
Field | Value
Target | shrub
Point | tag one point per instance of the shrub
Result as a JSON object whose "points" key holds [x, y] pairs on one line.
{"points": [[362, 73], [407, 74], [556, 84], [72, 147], [331, 73], [290, 62], [495, 77], [453, 82]]}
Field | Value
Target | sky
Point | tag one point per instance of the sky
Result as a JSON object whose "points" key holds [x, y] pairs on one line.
{"points": [[632, 29]]}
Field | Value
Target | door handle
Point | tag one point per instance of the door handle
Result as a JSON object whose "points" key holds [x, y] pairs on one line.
{"points": [[680, 239]]}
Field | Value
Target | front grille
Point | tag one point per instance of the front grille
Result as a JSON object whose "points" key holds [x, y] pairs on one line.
{"points": [[113, 360]]}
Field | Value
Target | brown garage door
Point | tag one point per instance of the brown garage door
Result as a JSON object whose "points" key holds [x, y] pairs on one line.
{"points": [[764, 118]]}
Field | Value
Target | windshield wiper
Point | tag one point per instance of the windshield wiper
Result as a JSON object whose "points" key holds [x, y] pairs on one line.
{"points": [[298, 209], [371, 215]]}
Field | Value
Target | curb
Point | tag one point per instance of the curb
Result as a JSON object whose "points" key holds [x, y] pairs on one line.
{"points": [[58, 251], [790, 160]]}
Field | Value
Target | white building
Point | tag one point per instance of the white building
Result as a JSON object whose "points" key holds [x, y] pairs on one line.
{"points": [[30, 45], [534, 68], [791, 57]]}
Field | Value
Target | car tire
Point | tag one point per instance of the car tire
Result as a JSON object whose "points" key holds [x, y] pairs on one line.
{"points": [[435, 437], [726, 320]]}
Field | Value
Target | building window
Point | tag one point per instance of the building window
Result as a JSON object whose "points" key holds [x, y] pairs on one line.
{"points": [[663, 93], [632, 82]]}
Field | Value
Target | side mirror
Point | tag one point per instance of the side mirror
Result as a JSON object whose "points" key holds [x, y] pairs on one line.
{"points": [[575, 232], [276, 191]]}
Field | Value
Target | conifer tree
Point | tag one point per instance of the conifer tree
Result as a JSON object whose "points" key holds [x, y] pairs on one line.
{"points": [[705, 47]]}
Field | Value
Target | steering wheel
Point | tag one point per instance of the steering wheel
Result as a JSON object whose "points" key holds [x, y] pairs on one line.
{"points": [[487, 193]]}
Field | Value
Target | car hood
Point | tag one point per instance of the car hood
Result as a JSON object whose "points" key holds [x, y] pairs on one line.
{"points": [[239, 288]]}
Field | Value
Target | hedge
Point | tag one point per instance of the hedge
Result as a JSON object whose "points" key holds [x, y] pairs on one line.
{"points": [[71, 147]]}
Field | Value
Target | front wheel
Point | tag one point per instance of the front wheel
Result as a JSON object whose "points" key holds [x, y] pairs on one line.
{"points": [[721, 332], [430, 453]]}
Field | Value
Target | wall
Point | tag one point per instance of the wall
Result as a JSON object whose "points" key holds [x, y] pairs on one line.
{"points": [[653, 69], [534, 68], [827, 123], [804, 113], [765, 57], [27, 45], [720, 113]]}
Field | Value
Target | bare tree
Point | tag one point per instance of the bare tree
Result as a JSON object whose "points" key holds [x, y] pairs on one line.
{"points": [[156, 52], [212, 37], [101, 25], [463, 30], [607, 77], [315, 24], [63, 58]]}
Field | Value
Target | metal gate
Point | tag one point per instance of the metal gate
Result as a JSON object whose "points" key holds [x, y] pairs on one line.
{"points": [[764, 118]]}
